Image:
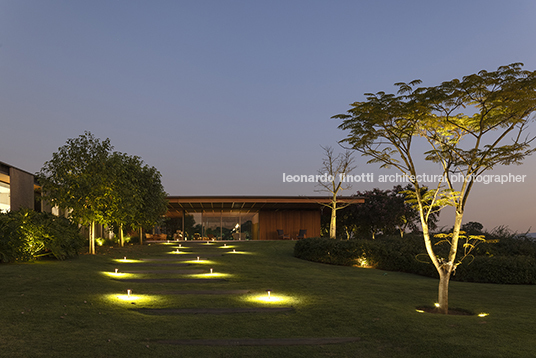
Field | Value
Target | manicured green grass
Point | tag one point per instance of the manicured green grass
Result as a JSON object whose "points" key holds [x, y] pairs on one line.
{"points": [[71, 309]]}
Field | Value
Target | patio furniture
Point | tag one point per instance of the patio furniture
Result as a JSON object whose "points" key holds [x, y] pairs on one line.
{"points": [[282, 235], [302, 234]]}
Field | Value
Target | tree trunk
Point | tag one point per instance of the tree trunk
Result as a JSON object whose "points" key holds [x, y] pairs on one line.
{"points": [[333, 222], [141, 236], [121, 237], [92, 238], [443, 294]]}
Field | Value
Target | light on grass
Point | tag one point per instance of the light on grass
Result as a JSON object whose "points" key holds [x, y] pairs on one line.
{"points": [[420, 311], [436, 304], [483, 314], [270, 298]]}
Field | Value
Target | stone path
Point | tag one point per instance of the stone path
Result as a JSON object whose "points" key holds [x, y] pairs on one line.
{"points": [[173, 262], [174, 311], [200, 292], [178, 272], [170, 280], [261, 342]]}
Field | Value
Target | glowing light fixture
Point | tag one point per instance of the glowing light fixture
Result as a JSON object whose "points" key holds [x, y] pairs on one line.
{"points": [[436, 304], [129, 292], [180, 245], [197, 258], [124, 258], [211, 271], [268, 291], [116, 270], [224, 245], [234, 250]]}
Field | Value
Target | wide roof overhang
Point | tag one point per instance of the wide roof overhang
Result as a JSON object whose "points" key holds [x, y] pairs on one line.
{"points": [[197, 204]]}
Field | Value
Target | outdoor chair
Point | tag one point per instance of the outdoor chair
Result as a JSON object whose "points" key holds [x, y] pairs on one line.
{"points": [[302, 234], [282, 235]]}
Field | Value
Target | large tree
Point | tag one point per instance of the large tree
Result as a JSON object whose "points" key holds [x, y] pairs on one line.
{"points": [[77, 179], [98, 186], [385, 128]]}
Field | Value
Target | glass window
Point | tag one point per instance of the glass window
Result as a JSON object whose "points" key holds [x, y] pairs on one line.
{"points": [[5, 203]]}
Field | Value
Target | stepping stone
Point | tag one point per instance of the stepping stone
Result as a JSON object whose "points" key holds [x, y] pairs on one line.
{"points": [[261, 342], [200, 292], [155, 264], [181, 258], [174, 311], [170, 280], [184, 272]]}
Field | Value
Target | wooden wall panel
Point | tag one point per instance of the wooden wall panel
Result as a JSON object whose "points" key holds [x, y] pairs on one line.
{"points": [[290, 221]]}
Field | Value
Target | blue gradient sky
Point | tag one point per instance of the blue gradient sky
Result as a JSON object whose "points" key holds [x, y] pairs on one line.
{"points": [[223, 97]]}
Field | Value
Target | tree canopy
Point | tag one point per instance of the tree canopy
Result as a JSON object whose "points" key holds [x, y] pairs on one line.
{"points": [[97, 185], [385, 127]]}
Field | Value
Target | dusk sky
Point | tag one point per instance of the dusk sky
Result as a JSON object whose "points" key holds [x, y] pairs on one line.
{"points": [[223, 97]]}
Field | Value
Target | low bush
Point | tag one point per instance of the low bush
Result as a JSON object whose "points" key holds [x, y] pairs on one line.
{"points": [[26, 234], [509, 260]]}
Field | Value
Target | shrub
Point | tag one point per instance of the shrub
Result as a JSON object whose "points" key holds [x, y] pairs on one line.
{"points": [[26, 234], [509, 260], [498, 269]]}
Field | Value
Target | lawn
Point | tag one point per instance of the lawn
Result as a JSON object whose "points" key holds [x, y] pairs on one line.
{"points": [[78, 308]]}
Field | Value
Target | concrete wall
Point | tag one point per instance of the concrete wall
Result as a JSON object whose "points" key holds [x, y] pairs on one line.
{"points": [[22, 189]]}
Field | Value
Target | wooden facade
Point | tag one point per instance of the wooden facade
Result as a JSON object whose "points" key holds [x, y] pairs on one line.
{"points": [[290, 214], [290, 221]]}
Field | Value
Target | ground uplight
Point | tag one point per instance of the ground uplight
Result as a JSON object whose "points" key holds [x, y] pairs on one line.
{"points": [[271, 297]]}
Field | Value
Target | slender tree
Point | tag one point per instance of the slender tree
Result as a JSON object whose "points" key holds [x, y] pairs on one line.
{"points": [[334, 169], [463, 146]]}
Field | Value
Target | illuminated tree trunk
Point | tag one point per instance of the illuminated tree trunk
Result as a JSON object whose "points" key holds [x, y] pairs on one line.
{"points": [[121, 240], [141, 236], [92, 238], [443, 294], [333, 221]]}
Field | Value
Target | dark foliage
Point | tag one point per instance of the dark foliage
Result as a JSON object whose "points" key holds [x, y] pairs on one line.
{"points": [[26, 234], [504, 258]]}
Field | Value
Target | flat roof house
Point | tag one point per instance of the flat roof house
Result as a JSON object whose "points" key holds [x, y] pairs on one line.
{"points": [[17, 189], [252, 217]]}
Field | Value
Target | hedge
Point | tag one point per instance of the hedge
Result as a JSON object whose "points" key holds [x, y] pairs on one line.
{"points": [[511, 262]]}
